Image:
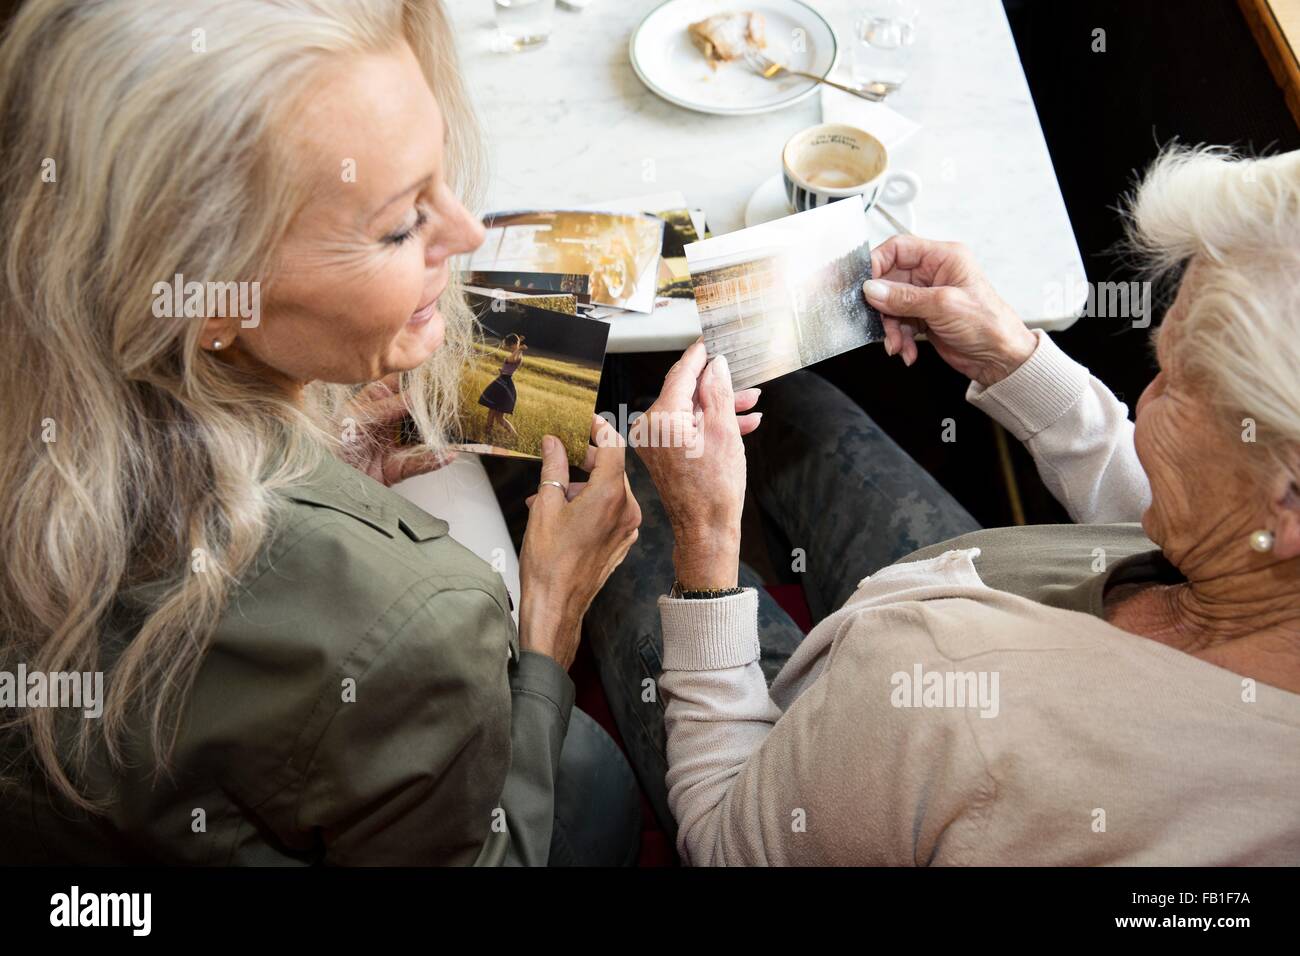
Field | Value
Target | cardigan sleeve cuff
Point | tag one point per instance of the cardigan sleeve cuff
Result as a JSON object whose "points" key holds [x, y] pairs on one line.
{"points": [[1036, 394], [704, 635]]}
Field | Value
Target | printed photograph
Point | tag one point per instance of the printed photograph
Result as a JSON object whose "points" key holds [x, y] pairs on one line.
{"points": [[785, 294], [567, 304], [617, 252], [674, 276], [534, 373], [674, 301], [532, 283]]}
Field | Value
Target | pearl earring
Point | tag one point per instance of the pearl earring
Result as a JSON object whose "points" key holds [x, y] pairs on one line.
{"points": [[217, 344], [1261, 541]]}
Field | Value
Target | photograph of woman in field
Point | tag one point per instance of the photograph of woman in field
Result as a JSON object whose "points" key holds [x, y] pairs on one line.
{"points": [[500, 397], [533, 373]]}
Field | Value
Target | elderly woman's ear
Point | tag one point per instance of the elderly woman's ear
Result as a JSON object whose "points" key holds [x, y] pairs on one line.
{"points": [[1286, 530]]}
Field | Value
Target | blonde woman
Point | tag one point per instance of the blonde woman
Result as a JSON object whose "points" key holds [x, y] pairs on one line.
{"points": [[298, 665]]}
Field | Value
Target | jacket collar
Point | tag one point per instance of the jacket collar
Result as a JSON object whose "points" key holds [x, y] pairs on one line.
{"points": [[340, 487]]}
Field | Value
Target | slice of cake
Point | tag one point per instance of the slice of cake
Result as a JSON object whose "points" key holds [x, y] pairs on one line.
{"points": [[727, 36]]}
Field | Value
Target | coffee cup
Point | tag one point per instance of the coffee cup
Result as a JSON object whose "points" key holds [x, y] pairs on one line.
{"points": [[833, 161]]}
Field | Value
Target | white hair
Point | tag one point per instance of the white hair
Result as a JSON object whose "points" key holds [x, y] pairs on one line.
{"points": [[1238, 220]]}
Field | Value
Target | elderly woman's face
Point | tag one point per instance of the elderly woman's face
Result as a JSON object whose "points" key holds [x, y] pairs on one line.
{"points": [[360, 273], [1204, 500]]}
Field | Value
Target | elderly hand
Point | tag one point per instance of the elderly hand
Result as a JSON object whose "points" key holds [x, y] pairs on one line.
{"points": [[936, 287], [700, 472], [577, 535], [378, 410]]}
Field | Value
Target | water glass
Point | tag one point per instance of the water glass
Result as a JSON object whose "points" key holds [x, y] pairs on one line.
{"points": [[524, 23], [883, 34]]}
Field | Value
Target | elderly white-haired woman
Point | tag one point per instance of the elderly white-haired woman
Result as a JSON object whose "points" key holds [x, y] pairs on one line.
{"points": [[1103, 692]]}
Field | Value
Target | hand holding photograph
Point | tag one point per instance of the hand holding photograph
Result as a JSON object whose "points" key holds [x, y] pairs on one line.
{"points": [[534, 373], [786, 294]]}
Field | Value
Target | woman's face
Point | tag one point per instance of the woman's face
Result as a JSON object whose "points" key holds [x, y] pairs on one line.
{"points": [[1205, 502], [359, 275]]}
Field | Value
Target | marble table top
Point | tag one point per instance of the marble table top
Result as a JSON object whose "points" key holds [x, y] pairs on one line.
{"points": [[569, 123]]}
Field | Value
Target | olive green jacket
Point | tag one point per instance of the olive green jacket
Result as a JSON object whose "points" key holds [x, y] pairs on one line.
{"points": [[363, 701]]}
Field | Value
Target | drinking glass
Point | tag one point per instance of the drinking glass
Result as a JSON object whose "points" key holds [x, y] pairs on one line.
{"points": [[524, 23], [883, 34]]}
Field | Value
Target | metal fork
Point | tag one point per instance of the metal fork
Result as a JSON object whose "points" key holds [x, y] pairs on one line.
{"points": [[769, 69]]}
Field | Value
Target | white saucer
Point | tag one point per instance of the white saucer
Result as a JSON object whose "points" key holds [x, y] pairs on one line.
{"points": [[769, 202]]}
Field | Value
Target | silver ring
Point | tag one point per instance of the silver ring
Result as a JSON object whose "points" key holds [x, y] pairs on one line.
{"points": [[550, 481]]}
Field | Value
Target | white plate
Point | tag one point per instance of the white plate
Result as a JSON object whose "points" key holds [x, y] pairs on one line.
{"points": [[769, 202], [666, 60]]}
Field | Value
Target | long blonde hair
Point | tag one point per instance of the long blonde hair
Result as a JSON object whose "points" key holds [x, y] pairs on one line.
{"points": [[137, 142]]}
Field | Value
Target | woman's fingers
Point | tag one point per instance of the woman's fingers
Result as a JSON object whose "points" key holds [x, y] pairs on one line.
{"points": [[571, 492], [907, 330], [746, 399], [610, 450], [892, 338], [910, 259], [632, 503], [555, 467], [897, 252], [715, 394], [885, 260], [375, 391], [903, 299], [679, 385], [900, 338], [667, 425], [403, 465], [380, 404]]}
